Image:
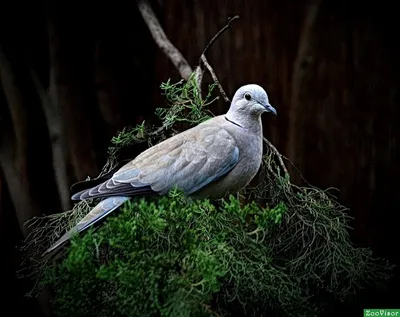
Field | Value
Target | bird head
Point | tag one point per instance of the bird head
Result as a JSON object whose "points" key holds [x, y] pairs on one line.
{"points": [[251, 99]]}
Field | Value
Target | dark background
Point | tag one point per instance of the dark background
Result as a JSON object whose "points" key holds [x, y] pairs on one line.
{"points": [[330, 68]]}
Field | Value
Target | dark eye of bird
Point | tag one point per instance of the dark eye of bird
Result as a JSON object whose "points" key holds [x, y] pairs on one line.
{"points": [[247, 96]]}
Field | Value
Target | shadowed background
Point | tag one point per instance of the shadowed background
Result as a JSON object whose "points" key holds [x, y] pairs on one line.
{"points": [[72, 76]]}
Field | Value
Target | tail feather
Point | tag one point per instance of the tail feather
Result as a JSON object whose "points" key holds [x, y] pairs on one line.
{"points": [[101, 210]]}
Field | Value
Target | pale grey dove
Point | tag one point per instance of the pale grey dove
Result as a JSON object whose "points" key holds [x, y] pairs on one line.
{"points": [[213, 159]]}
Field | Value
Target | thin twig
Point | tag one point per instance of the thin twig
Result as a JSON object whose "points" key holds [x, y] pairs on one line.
{"points": [[203, 61], [162, 40], [296, 169], [274, 149], [214, 77], [216, 36]]}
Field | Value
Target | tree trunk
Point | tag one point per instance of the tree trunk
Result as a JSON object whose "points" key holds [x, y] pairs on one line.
{"points": [[29, 183], [70, 98], [1, 203], [108, 96], [53, 120], [301, 66], [14, 148]]}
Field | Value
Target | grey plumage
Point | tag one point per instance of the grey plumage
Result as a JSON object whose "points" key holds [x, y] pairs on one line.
{"points": [[213, 159]]}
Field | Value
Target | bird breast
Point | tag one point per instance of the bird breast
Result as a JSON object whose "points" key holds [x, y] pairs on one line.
{"points": [[250, 158]]}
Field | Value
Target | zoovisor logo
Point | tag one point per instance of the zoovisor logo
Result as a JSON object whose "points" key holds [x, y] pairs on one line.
{"points": [[381, 312]]}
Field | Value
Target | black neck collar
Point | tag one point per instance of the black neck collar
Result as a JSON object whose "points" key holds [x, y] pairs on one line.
{"points": [[234, 123]]}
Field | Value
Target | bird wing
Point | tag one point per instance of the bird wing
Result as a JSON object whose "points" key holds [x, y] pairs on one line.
{"points": [[188, 161]]}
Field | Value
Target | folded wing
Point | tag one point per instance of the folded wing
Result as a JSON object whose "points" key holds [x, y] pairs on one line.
{"points": [[188, 161]]}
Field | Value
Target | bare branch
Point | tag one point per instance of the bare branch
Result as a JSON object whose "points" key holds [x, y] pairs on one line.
{"points": [[214, 77], [279, 155], [199, 72], [162, 40], [216, 36], [203, 61], [172, 52]]}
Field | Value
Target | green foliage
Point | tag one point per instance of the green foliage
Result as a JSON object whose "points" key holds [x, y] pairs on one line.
{"points": [[175, 257], [184, 106], [171, 256], [188, 106]]}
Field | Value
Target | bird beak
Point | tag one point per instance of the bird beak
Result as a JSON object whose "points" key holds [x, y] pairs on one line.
{"points": [[269, 108]]}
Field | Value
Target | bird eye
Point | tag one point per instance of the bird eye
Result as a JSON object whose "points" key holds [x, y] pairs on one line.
{"points": [[247, 96]]}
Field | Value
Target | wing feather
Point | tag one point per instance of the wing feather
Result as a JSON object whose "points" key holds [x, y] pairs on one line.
{"points": [[188, 161]]}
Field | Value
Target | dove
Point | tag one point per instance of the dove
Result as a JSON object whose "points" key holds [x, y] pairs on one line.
{"points": [[218, 157]]}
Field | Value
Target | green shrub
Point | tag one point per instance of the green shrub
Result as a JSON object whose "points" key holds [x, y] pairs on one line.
{"points": [[175, 257]]}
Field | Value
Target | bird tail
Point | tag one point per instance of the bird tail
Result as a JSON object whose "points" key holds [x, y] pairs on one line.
{"points": [[100, 211]]}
